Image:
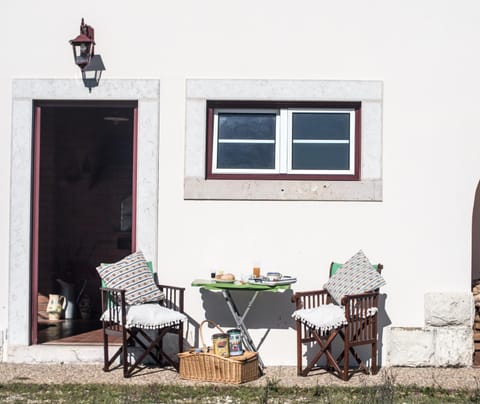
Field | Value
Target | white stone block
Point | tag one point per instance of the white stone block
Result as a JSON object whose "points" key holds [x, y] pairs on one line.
{"points": [[55, 354], [430, 346], [449, 309], [339, 90], [410, 347], [1, 345], [453, 346]]}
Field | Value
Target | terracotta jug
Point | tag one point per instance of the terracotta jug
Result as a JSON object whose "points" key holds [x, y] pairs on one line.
{"points": [[56, 305]]}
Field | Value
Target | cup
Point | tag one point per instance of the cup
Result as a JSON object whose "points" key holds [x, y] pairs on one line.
{"points": [[256, 272]]}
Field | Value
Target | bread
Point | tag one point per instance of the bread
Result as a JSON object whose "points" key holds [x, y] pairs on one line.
{"points": [[225, 277]]}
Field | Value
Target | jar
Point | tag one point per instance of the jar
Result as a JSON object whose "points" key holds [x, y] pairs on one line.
{"points": [[220, 345], [235, 342]]}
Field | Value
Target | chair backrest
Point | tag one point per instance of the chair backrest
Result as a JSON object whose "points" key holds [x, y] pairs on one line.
{"points": [[335, 266]]}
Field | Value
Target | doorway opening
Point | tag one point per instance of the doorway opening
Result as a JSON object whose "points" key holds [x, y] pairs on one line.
{"points": [[84, 194], [476, 274]]}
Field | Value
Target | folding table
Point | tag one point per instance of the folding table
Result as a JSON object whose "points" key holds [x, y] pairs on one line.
{"points": [[225, 288]]}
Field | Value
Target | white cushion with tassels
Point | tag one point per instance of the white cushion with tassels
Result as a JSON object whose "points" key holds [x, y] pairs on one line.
{"points": [[147, 315], [323, 318]]}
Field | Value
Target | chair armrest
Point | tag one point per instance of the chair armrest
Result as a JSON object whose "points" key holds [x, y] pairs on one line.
{"points": [[112, 300], [113, 297], [360, 305], [310, 299], [174, 297]]}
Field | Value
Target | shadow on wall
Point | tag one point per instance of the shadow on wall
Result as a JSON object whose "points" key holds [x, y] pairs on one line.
{"points": [[273, 311], [476, 235], [383, 322], [270, 310]]}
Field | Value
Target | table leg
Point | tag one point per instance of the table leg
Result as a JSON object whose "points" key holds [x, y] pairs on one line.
{"points": [[240, 322]]}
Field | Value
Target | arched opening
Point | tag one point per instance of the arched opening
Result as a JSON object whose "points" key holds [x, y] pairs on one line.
{"points": [[476, 273]]}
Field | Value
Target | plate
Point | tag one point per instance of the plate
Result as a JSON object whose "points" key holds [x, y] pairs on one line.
{"points": [[224, 280]]}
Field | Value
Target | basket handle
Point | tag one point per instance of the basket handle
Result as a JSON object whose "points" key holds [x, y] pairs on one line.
{"points": [[204, 346]]}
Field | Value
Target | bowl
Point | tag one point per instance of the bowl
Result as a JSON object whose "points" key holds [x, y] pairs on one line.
{"points": [[274, 276]]}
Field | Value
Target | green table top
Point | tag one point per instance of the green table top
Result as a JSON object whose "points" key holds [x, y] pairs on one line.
{"points": [[213, 285]]}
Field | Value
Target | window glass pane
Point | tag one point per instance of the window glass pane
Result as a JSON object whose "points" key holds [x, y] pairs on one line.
{"points": [[320, 156], [246, 155], [246, 126], [321, 126]]}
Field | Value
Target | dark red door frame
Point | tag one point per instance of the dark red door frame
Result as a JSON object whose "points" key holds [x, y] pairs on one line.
{"points": [[134, 179], [36, 191], [35, 223]]}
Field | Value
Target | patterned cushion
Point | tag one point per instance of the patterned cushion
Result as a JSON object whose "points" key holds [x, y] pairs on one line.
{"points": [[356, 276], [132, 274]]}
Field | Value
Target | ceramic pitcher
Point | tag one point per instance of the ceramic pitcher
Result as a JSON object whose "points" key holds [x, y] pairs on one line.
{"points": [[67, 290], [56, 304]]}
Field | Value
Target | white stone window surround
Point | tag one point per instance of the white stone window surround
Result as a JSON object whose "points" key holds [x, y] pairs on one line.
{"points": [[199, 91], [25, 91]]}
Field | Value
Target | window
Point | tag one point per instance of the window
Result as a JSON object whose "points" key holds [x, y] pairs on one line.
{"points": [[245, 141], [351, 171], [283, 140]]}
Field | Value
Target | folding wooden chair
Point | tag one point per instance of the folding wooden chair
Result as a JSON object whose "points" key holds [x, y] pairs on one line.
{"points": [[135, 324], [360, 328]]}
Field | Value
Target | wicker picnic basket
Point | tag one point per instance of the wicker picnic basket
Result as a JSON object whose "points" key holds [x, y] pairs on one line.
{"points": [[204, 365]]}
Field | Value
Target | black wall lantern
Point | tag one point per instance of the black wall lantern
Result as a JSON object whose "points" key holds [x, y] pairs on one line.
{"points": [[90, 64]]}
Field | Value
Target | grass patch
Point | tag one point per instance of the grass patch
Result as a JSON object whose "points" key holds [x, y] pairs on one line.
{"points": [[272, 392]]}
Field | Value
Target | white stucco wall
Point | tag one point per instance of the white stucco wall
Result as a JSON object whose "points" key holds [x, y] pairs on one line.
{"points": [[423, 52]]}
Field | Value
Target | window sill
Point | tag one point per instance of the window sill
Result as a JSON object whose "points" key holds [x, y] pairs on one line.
{"points": [[286, 177], [197, 188]]}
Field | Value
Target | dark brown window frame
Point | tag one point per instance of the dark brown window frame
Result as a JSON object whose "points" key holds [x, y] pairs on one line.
{"points": [[214, 104]]}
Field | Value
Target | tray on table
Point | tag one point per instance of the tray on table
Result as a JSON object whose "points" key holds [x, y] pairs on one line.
{"points": [[284, 280]]}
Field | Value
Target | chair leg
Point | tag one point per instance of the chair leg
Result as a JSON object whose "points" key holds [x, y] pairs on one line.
{"points": [[125, 353], [154, 344], [180, 344], [374, 368], [324, 345], [150, 346], [346, 358], [107, 360], [147, 350], [105, 349], [174, 364], [180, 338], [299, 348]]}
